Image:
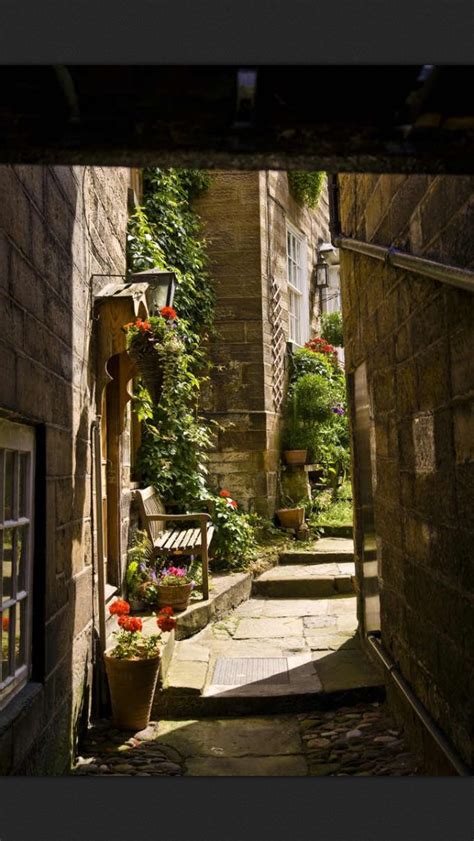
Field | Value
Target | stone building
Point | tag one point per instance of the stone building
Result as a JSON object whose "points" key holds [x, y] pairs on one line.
{"points": [[263, 246], [62, 241], [409, 358]]}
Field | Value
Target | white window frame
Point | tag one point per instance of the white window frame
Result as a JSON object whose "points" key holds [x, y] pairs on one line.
{"points": [[297, 283], [19, 439]]}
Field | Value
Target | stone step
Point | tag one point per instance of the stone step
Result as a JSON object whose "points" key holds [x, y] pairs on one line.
{"points": [[309, 681], [337, 531], [306, 581], [327, 550]]}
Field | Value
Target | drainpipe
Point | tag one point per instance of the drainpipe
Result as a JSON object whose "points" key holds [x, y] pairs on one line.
{"points": [[438, 736], [96, 427], [443, 273]]}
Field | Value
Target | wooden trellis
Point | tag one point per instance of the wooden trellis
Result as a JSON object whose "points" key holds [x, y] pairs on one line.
{"points": [[278, 344]]}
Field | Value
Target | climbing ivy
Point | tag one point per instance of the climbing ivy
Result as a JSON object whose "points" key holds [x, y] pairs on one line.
{"points": [[306, 187], [164, 233]]}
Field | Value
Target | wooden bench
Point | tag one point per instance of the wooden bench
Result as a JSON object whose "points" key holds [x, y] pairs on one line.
{"points": [[176, 541]]}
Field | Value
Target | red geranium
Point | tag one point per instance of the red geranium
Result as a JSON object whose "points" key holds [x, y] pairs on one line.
{"points": [[166, 611], [168, 312], [5, 623], [166, 623], [130, 623], [119, 607], [225, 494], [233, 503]]}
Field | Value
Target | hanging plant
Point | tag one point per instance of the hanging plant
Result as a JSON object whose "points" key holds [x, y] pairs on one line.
{"points": [[306, 187]]}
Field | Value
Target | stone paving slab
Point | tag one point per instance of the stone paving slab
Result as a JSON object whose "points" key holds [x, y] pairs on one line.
{"points": [[252, 736], [344, 670], [268, 628], [261, 766], [284, 607], [325, 549]]}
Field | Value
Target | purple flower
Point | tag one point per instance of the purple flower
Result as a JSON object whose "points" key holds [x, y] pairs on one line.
{"points": [[338, 410]]}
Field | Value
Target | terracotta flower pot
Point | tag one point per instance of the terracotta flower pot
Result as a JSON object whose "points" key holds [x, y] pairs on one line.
{"points": [[295, 456], [132, 686], [176, 597], [291, 518]]}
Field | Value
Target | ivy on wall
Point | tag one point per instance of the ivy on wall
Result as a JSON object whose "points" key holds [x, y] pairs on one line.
{"points": [[164, 233], [306, 187]]}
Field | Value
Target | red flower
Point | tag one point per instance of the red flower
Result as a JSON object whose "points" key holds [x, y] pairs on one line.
{"points": [[168, 312], [5, 623], [144, 326], [120, 607], [130, 623], [166, 611], [166, 623], [233, 503], [225, 494]]}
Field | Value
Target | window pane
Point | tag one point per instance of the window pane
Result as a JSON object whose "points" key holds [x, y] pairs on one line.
{"points": [[21, 557], [7, 564], [24, 458], [8, 514], [20, 634], [5, 634]]}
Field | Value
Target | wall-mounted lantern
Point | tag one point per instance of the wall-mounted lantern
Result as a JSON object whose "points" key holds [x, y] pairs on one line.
{"points": [[328, 256], [161, 288]]}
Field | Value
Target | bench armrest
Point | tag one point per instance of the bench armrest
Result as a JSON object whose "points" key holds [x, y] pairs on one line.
{"points": [[161, 518]]}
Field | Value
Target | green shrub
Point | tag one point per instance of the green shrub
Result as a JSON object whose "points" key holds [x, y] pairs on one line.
{"points": [[304, 361], [234, 540], [331, 328]]}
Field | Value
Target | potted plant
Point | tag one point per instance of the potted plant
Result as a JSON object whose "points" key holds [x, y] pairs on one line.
{"points": [[132, 666], [139, 567], [173, 587], [291, 517]]}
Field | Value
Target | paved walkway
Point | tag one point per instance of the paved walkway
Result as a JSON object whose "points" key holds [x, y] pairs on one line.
{"points": [[293, 647], [360, 740]]}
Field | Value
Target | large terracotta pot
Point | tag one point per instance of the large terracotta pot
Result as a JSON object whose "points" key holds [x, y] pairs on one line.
{"points": [[176, 597], [132, 686], [291, 518], [294, 457]]}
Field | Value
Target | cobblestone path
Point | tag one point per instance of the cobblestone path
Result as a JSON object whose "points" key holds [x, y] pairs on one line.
{"points": [[360, 740]]}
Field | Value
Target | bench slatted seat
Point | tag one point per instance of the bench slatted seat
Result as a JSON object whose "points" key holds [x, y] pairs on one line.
{"points": [[176, 540]]}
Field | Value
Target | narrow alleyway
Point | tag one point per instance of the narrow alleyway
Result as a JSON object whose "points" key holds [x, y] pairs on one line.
{"points": [[278, 687]]}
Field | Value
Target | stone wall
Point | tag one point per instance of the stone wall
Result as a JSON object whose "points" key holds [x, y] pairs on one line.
{"points": [[417, 338], [244, 216], [59, 226]]}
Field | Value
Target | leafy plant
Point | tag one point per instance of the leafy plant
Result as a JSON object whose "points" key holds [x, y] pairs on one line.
{"points": [[305, 361], [306, 186], [140, 558], [172, 576], [331, 328], [234, 540]]}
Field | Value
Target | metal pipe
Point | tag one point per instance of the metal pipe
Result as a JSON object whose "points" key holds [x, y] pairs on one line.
{"points": [[438, 736], [100, 533], [452, 275]]}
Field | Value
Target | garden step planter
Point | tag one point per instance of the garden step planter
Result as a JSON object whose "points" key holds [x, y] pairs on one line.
{"points": [[132, 684], [175, 597], [295, 457], [291, 518]]}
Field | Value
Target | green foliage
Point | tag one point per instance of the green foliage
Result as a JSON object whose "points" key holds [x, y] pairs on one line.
{"points": [[331, 328], [134, 645], [305, 361], [234, 541], [139, 562], [306, 186], [165, 233]]}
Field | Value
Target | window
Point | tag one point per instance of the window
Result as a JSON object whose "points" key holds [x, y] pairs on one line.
{"points": [[297, 287], [16, 545]]}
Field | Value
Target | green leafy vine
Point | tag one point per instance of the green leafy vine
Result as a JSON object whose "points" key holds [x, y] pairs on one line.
{"points": [[306, 187]]}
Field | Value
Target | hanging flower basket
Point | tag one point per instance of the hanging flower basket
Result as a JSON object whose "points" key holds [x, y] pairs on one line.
{"points": [[149, 365], [146, 339]]}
